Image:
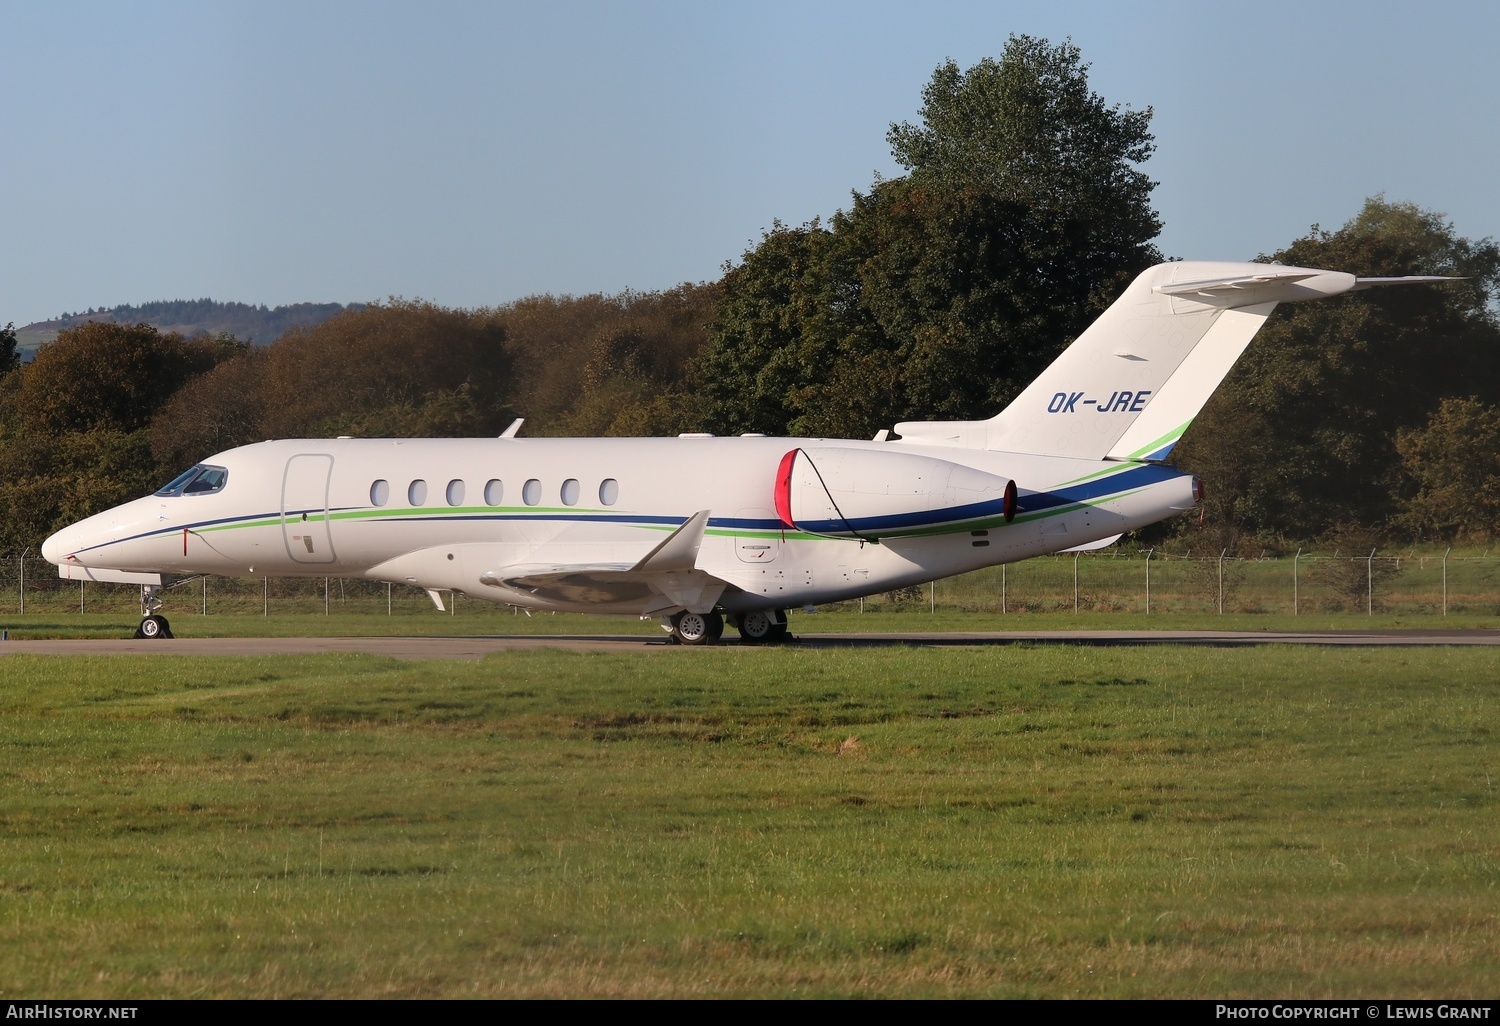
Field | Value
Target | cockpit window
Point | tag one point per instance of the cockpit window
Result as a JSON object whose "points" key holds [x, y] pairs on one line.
{"points": [[200, 480]]}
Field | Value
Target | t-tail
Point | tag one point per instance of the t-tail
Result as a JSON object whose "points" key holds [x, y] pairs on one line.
{"points": [[1132, 383]]}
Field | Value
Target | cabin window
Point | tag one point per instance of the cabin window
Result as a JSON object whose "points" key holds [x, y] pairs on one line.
{"points": [[455, 492], [531, 492], [380, 493], [416, 493], [200, 480], [609, 491], [494, 491], [570, 492]]}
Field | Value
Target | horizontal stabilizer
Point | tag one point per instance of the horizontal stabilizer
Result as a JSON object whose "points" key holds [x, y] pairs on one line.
{"points": [[1411, 279], [1232, 284]]}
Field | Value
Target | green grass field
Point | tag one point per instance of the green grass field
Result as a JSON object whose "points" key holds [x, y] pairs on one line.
{"points": [[1029, 821], [484, 620]]}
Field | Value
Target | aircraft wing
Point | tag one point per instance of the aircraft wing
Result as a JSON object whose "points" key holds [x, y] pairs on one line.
{"points": [[665, 578]]}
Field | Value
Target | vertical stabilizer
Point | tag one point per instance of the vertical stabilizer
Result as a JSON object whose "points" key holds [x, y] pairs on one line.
{"points": [[1134, 380]]}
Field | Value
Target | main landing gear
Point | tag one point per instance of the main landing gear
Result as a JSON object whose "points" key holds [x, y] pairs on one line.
{"points": [[760, 628], [704, 629], [763, 628], [689, 628], [153, 624]]}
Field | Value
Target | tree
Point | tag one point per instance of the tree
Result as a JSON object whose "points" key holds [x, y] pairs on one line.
{"points": [[634, 352], [218, 410], [1302, 436], [941, 294], [10, 354], [375, 369], [110, 375], [1027, 130], [1454, 460]]}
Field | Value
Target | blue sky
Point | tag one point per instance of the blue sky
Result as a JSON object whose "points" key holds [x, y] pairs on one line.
{"points": [[473, 153]]}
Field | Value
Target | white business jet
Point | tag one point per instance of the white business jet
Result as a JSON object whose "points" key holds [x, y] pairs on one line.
{"points": [[696, 530]]}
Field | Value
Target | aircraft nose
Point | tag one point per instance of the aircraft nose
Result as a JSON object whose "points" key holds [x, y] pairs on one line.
{"points": [[56, 548]]}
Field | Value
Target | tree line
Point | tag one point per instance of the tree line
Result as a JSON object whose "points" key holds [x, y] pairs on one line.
{"points": [[939, 294], [258, 324]]}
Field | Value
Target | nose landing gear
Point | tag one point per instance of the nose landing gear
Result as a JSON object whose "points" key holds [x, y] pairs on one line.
{"points": [[153, 624]]}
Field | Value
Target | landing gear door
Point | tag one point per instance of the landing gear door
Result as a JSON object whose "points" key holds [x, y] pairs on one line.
{"points": [[759, 540], [304, 508]]}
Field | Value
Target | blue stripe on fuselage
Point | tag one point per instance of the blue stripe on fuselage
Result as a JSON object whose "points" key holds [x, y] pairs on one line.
{"points": [[1027, 502], [1136, 477]]}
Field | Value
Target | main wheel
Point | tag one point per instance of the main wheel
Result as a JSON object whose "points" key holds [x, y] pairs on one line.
{"points": [[154, 627], [691, 628], [759, 628]]}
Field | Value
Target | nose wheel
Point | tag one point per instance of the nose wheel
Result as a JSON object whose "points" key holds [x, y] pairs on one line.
{"points": [[153, 624]]}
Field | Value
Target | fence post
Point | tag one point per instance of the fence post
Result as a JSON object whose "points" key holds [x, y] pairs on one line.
{"points": [[23, 579], [205, 594], [1370, 584], [325, 596], [1002, 588], [265, 596], [1445, 579], [1148, 579], [388, 600], [1295, 560], [1221, 581], [82, 599], [1075, 582], [931, 598]]}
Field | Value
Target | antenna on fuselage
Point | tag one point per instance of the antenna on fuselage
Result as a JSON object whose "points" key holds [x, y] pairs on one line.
{"points": [[515, 426]]}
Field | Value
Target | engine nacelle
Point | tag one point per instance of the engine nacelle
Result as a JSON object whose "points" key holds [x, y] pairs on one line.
{"points": [[872, 493]]}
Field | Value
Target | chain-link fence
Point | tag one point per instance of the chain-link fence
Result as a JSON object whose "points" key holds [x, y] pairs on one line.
{"points": [[1114, 581], [31, 585], [1111, 581]]}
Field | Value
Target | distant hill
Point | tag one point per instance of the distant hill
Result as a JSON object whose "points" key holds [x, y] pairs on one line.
{"points": [[260, 325]]}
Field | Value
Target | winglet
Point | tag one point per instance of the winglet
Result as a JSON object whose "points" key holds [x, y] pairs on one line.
{"points": [[679, 550]]}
